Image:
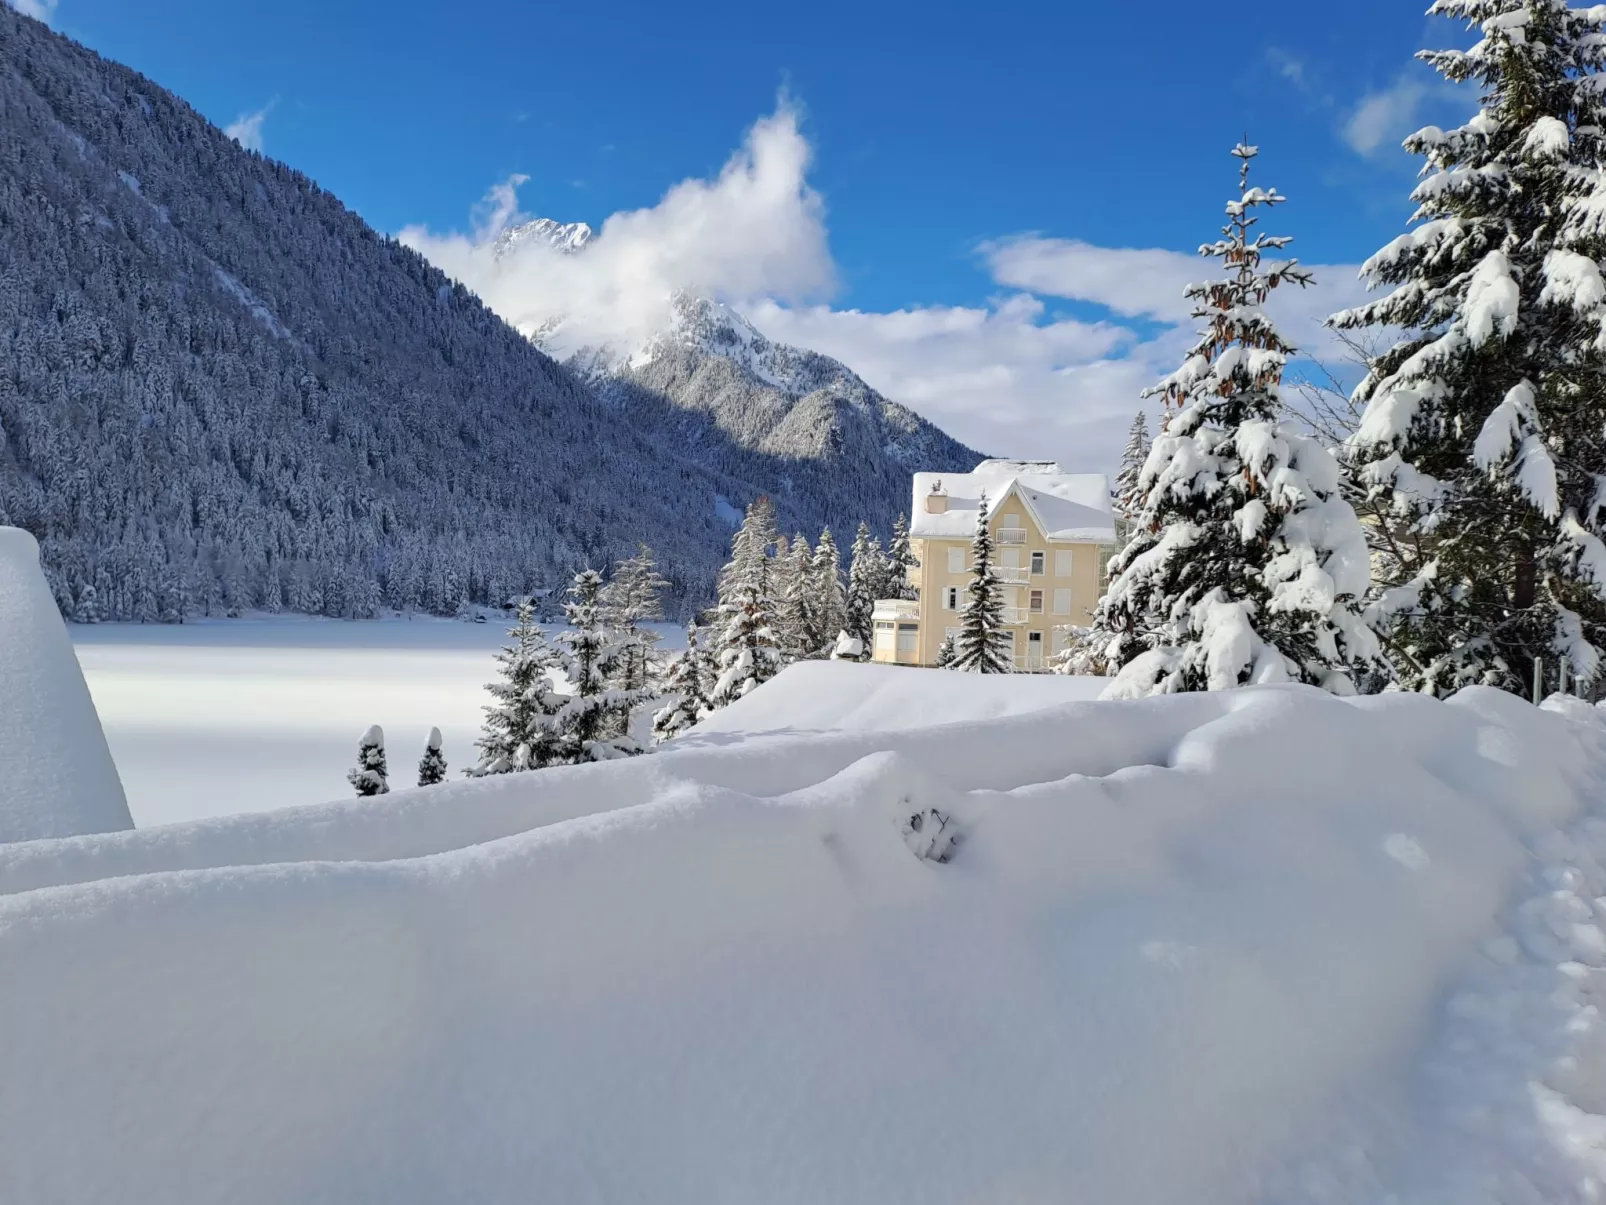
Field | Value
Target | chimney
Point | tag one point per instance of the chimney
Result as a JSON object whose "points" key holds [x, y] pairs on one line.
{"points": [[937, 500]]}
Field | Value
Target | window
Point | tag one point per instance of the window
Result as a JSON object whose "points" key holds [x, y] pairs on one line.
{"points": [[1038, 559], [1011, 521], [884, 627], [1009, 558], [956, 560], [908, 637], [950, 599], [1062, 602], [1064, 561], [1036, 606]]}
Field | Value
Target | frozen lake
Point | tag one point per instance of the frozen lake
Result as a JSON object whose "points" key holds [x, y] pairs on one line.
{"points": [[240, 715]]}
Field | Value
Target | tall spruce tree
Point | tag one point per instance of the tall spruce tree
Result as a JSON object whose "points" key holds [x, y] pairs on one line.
{"points": [[867, 576], [369, 777], [796, 630], [830, 604], [1128, 491], [748, 656], [633, 597], [984, 645], [751, 548], [593, 723], [432, 766], [1485, 425], [518, 731], [1247, 565], [686, 683], [901, 561]]}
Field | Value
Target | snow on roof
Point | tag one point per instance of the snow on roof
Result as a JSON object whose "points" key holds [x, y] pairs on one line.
{"points": [[1068, 506]]}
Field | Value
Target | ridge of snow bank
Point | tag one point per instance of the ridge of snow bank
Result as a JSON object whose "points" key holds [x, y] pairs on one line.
{"points": [[1187, 947], [57, 778]]}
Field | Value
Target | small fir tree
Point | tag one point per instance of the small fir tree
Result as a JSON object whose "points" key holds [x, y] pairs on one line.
{"points": [[1247, 565], [369, 775], [867, 575], [632, 598], [432, 766], [1128, 490], [946, 652], [901, 563], [519, 724], [830, 603], [686, 683], [593, 723], [983, 645], [747, 654], [796, 626]]}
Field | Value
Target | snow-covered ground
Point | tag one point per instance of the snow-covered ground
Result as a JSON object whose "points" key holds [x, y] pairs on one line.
{"points": [[215, 717], [1263, 945]]}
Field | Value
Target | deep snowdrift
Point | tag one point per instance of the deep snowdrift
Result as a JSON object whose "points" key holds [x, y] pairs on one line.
{"points": [[1195, 948], [56, 773]]}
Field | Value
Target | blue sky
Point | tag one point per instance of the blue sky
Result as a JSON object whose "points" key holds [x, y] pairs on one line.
{"points": [[968, 183]]}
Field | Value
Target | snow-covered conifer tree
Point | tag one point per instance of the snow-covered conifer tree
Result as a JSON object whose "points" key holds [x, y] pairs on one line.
{"points": [[593, 723], [867, 575], [1247, 565], [796, 628], [88, 609], [946, 652], [432, 766], [984, 644], [751, 548], [519, 725], [746, 644], [1128, 493], [369, 776], [830, 604], [1485, 424], [900, 561], [632, 598], [686, 683]]}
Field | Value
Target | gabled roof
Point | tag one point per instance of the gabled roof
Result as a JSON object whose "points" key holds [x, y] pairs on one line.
{"points": [[1069, 507]]}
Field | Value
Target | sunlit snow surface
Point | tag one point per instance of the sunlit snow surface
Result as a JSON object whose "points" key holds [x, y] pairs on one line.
{"points": [[1253, 947], [242, 715]]}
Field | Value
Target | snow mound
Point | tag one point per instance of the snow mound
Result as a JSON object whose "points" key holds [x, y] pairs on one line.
{"points": [[56, 773], [1216, 948], [833, 696]]}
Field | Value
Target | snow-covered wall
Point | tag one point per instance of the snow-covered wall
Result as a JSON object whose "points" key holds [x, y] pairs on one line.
{"points": [[57, 778], [1188, 950]]}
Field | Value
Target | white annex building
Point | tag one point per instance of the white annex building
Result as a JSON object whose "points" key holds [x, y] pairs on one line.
{"points": [[1053, 530]]}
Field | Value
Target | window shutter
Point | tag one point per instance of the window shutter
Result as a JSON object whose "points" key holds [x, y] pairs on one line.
{"points": [[1064, 561], [1062, 602]]}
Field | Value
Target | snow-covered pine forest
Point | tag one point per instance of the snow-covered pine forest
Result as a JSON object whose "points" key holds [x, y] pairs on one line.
{"points": [[220, 390]]}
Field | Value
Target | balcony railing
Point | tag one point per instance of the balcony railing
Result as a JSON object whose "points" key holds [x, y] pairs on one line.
{"points": [[1011, 576], [1014, 615], [896, 608], [1012, 535]]}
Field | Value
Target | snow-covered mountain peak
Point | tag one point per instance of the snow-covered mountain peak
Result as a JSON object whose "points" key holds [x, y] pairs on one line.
{"points": [[560, 236]]}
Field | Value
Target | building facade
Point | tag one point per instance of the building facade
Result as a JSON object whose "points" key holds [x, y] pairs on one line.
{"points": [[1052, 532]]}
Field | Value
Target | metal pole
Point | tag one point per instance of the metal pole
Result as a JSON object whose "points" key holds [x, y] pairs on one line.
{"points": [[1561, 675], [1539, 679]]}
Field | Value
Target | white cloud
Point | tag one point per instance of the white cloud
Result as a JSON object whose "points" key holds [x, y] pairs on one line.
{"points": [[1385, 117], [1008, 377], [246, 129], [41, 10], [757, 229]]}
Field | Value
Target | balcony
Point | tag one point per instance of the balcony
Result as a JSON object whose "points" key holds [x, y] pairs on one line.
{"points": [[894, 609], [1016, 615], [1012, 535], [1010, 576]]}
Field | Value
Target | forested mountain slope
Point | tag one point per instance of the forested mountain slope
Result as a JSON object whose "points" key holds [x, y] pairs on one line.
{"points": [[219, 388]]}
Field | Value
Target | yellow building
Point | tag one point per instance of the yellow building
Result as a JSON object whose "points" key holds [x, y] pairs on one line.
{"points": [[1051, 530]]}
